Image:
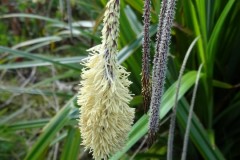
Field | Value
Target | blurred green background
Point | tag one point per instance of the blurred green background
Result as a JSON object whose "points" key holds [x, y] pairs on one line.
{"points": [[40, 54]]}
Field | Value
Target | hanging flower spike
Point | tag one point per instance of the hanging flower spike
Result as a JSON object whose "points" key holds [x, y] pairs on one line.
{"points": [[105, 117], [160, 65], [146, 76]]}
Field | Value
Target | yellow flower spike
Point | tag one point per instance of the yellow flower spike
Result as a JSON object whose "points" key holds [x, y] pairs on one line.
{"points": [[105, 117]]}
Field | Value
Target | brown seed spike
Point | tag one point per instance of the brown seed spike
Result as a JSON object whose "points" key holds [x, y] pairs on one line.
{"points": [[146, 82]]}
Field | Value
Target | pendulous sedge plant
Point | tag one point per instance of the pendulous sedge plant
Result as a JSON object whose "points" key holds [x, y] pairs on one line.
{"points": [[105, 117]]}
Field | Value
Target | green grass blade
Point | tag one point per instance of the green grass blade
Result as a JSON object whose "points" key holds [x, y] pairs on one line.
{"points": [[49, 131], [72, 145], [23, 15], [37, 40], [220, 84], [36, 63], [138, 5], [36, 57], [28, 124], [19, 90], [213, 41], [134, 22], [200, 44]]}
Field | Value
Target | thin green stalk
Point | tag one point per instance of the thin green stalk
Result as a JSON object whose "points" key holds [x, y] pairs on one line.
{"points": [[173, 116], [186, 136]]}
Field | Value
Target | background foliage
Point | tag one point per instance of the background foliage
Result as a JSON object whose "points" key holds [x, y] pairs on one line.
{"points": [[39, 74]]}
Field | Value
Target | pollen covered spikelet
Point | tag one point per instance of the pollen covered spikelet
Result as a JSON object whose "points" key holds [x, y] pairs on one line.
{"points": [[105, 117]]}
